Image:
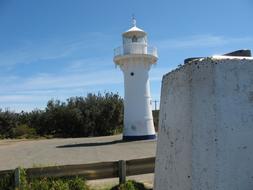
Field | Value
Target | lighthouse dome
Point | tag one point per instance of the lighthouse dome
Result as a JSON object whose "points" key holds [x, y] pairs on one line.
{"points": [[134, 31], [133, 36]]}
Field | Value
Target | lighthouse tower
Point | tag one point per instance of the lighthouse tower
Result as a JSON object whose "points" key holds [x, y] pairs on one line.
{"points": [[135, 59]]}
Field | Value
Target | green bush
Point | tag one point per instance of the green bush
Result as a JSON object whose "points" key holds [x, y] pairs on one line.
{"points": [[78, 184], [41, 184], [7, 182], [93, 115], [130, 185], [8, 121], [23, 131], [23, 180], [52, 183], [57, 184]]}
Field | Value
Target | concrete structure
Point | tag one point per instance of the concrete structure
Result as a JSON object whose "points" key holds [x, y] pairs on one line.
{"points": [[135, 58], [205, 139]]}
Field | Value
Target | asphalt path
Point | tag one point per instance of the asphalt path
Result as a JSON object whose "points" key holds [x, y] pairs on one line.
{"points": [[50, 152]]}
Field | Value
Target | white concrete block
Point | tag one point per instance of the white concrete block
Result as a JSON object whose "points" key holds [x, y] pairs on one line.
{"points": [[205, 139]]}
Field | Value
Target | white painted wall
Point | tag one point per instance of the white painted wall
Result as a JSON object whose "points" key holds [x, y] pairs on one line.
{"points": [[205, 139], [138, 119]]}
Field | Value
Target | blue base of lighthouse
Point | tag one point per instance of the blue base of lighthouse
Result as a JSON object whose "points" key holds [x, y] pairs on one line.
{"points": [[138, 138]]}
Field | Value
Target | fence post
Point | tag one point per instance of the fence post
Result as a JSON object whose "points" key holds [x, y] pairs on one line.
{"points": [[122, 171], [17, 178]]}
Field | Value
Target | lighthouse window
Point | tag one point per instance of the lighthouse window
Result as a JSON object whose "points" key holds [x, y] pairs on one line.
{"points": [[132, 74], [134, 39]]}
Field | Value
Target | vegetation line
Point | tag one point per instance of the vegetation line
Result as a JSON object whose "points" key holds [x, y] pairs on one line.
{"points": [[93, 115]]}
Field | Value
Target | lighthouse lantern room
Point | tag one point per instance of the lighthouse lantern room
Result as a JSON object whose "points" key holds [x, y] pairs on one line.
{"points": [[135, 59]]}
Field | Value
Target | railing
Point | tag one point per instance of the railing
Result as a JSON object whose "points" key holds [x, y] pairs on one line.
{"points": [[135, 48], [92, 171]]}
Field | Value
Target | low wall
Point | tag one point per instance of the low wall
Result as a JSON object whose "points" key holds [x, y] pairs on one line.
{"points": [[205, 139]]}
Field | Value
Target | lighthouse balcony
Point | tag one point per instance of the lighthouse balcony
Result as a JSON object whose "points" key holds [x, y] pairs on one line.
{"points": [[135, 48]]}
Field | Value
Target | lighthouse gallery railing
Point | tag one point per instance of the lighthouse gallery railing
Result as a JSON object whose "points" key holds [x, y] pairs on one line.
{"points": [[135, 48]]}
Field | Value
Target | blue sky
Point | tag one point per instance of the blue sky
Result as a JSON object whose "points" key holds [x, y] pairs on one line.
{"points": [[55, 49]]}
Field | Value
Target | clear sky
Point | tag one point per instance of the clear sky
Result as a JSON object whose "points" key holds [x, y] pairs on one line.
{"points": [[55, 49]]}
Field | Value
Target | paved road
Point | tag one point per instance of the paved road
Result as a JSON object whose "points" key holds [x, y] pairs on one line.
{"points": [[30, 153]]}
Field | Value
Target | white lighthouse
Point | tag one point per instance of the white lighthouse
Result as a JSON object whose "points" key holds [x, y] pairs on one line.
{"points": [[135, 59]]}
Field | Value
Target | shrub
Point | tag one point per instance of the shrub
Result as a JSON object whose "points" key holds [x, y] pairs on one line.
{"points": [[6, 182], [78, 184], [93, 115], [52, 183], [8, 120], [57, 184], [130, 185], [41, 184], [23, 131]]}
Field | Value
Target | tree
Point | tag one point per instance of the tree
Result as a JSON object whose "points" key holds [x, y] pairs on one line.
{"points": [[7, 122], [93, 115]]}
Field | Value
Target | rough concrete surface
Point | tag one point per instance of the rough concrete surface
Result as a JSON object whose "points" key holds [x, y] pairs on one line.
{"points": [[30, 153], [205, 139]]}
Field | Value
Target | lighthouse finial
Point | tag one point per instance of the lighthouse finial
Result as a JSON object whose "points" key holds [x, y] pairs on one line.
{"points": [[133, 20]]}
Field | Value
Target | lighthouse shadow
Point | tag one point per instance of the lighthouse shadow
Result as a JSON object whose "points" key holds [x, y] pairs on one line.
{"points": [[91, 144]]}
